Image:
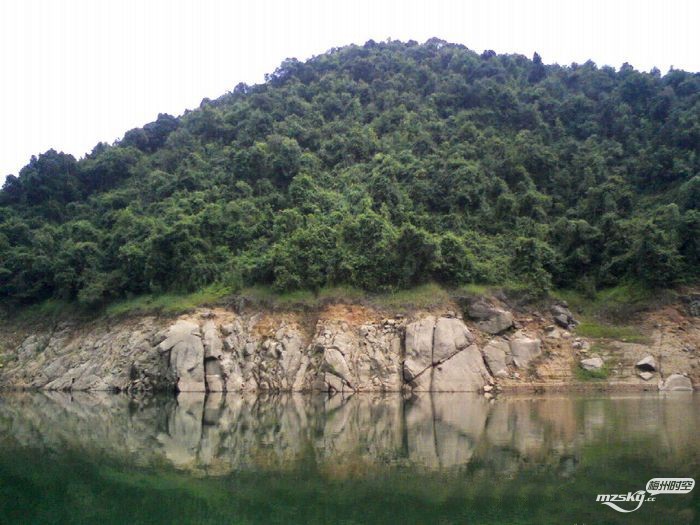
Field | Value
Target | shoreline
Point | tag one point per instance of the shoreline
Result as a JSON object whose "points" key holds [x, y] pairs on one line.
{"points": [[483, 344], [503, 391]]}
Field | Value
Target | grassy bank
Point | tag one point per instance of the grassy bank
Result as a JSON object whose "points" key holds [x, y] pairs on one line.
{"points": [[610, 313], [606, 315], [425, 296]]}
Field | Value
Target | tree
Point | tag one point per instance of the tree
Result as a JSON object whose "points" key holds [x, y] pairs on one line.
{"points": [[537, 70]]}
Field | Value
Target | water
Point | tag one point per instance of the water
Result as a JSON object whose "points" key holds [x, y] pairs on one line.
{"points": [[441, 458]]}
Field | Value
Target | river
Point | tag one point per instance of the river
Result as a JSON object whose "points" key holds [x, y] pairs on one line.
{"points": [[440, 458]]}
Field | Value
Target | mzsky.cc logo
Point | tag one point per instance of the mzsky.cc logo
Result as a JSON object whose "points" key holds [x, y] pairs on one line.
{"points": [[654, 487]]}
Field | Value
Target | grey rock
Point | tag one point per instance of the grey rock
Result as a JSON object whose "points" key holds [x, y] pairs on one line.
{"points": [[562, 320], [372, 353], [450, 336], [562, 315], [676, 382], [335, 363], [464, 372], [184, 342], [495, 353], [419, 347], [648, 364], [592, 363], [582, 345], [645, 375], [500, 321], [213, 346], [479, 310], [490, 319], [524, 349]]}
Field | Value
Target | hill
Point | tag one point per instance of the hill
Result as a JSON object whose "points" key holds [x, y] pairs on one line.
{"points": [[380, 166]]}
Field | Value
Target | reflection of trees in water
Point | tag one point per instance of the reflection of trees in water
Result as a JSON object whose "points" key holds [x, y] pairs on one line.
{"points": [[217, 434]]}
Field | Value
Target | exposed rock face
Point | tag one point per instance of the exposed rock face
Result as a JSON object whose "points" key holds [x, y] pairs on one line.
{"points": [[524, 349], [441, 358], [367, 358], [184, 342], [92, 357], [450, 336], [225, 352], [490, 319], [648, 364], [675, 383], [340, 348], [281, 362], [592, 363], [581, 345], [496, 354], [419, 347], [499, 322], [464, 372], [563, 316]]}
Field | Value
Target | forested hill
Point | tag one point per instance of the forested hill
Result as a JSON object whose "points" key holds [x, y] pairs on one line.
{"points": [[378, 166]]}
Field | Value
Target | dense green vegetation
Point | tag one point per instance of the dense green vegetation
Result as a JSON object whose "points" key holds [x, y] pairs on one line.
{"points": [[380, 166]]}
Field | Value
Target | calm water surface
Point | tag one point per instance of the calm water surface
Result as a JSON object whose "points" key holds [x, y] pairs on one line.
{"points": [[441, 458]]}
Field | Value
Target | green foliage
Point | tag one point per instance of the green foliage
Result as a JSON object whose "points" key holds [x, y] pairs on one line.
{"points": [[170, 303], [613, 305], [457, 264], [582, 374], [598, 330], [379, 167], [532, 263], [423, 296]]}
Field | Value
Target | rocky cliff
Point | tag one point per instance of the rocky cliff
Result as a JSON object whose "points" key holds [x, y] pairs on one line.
{"points": [[344, 348]]}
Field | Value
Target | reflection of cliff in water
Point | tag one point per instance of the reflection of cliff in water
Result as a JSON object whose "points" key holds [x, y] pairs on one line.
{"points": [[218, 434]]}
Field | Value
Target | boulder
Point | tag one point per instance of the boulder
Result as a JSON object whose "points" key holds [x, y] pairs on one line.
{"points": [[499, 322], [464, 372], [333, 383], [479, 310], [288, 359], [184, 343], [419, 347], [213, 346], [676, 382], [495, 353], [335, 364], [423, 382], [369, 356], [450, 336], [592, 363], [524, 349], [562, 315], [582, 345], [645, 375], [648, 364], [489, 319], [562, 320]]}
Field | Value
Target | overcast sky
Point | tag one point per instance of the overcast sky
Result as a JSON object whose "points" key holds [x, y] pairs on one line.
{"points": [[76, 72]]}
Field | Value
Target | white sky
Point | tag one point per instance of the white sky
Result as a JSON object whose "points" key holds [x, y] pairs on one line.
{"points": [[76, 72]]}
